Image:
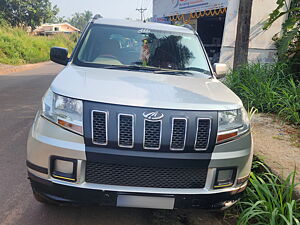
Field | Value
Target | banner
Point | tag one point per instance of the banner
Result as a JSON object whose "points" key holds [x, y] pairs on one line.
{"points": [[163, 8], [161, 20]]}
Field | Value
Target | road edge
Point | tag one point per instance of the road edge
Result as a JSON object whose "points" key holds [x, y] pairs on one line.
{"points": [[9, 69]]}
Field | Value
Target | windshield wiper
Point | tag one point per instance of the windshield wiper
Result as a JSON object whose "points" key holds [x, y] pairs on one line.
{"points": [[131, 67], [173, 72], [198, 70], [151, 69]]}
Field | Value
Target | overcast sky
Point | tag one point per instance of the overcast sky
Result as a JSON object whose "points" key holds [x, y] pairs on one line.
{"points": [[107, 8]]}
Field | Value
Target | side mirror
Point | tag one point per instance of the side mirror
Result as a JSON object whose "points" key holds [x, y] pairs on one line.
{"points": [[59, 55], [220, 69]]}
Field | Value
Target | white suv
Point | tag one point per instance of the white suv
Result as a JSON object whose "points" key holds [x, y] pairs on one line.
{"points": [[138, 119]]}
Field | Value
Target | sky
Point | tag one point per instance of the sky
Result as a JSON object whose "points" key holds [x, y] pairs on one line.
{"points": [[107, 8]]}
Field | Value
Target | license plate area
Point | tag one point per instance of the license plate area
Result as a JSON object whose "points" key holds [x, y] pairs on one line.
{"points": [[145, 202]]}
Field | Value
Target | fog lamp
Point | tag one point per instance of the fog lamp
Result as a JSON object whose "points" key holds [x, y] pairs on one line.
{"points": [[225, 177], [64, 168]]}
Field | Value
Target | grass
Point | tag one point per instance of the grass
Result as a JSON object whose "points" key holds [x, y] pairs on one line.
{"points": [[270, 88], [17, 47], [268, 199]]}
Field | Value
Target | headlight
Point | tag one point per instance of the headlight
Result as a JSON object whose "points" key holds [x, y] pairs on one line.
{"points": [[64, 111], [232, 123]]}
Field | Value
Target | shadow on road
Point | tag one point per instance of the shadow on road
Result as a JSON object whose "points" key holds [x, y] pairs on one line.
{"points": [[48, 214]]}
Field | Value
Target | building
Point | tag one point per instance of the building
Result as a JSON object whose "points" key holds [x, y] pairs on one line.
{"points": [[50, 29], [216, 23]]}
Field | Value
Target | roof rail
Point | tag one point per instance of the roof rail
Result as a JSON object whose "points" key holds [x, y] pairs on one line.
{"points": [[188, 26]]}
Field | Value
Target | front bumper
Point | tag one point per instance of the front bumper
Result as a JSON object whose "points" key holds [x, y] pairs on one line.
{"points": [[47, 140], [73, 195]]}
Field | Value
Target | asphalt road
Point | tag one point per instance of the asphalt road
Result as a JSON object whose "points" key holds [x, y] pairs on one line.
{"points": [[20, 95]]}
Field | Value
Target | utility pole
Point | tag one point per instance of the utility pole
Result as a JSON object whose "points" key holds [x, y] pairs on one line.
{"points": [[242, 33], [141, 11]]}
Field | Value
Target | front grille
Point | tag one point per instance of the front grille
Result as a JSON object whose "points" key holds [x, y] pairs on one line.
{"points": [[99, 127], [203, 132], [152, 134], [178, 134], [126, 130], [119, 127], [143, 176]]}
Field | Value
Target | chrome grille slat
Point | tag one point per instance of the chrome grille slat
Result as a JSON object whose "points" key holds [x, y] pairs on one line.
{"points": [[203, 134], [152, 134], [132, 134], [99, 127], [126, 130], [178, 134]]}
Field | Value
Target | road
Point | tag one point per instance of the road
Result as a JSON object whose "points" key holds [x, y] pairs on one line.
{"points": [[20, 95]]}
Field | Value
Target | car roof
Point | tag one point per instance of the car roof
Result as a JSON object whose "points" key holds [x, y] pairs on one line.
{"points": [[145, 25]]}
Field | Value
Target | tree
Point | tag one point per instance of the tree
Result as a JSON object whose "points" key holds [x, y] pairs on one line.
{"points": [[288, 40], [242, 35], [27, 12], [57, 19], [80, 20]]}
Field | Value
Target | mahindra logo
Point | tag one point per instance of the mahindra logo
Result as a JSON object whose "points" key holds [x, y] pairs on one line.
{"points": [[144, 31], [153, 115]]}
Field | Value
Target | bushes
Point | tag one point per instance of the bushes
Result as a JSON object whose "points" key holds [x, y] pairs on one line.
{"points": [[269, 88], [18, 47], [268, 199]]}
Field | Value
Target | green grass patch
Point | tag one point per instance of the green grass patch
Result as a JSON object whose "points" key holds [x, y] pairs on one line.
{"points": [[268, 199], [18, 47], [268, 87]]}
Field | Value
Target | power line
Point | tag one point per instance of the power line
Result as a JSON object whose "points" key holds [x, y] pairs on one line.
{"points": [[141, 11]]}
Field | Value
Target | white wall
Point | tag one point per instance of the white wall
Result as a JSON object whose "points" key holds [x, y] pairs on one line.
{"points": [[261, 46]]}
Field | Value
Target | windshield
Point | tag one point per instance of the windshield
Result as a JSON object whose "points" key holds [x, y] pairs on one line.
{"points": [[126, 47]]}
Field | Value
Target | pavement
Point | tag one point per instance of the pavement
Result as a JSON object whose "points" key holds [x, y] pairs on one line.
{"points": [[20, 96], [278, 145]]}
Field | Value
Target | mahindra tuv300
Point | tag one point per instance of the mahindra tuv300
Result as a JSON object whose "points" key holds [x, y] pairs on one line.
{"points": [[138, 118]]}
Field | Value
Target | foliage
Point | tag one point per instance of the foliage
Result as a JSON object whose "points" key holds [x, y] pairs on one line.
{"points": [[35, 12], [270, 88], [79, 20], [288, 41], [3, 22], [18, 47], [57, 19], [27, 12], [268, 199]]}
